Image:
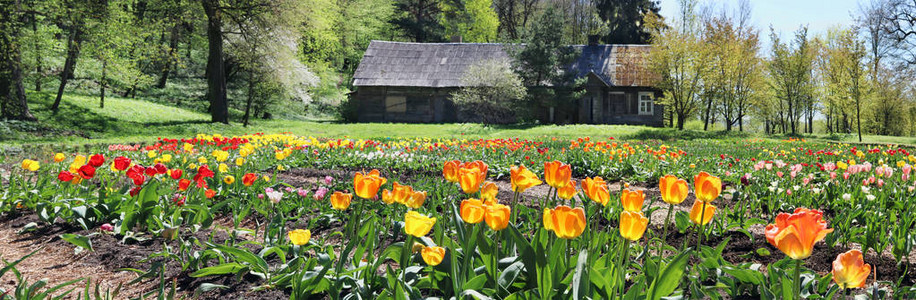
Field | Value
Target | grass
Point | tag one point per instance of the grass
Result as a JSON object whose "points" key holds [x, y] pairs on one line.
{"points": [[81, 122]]}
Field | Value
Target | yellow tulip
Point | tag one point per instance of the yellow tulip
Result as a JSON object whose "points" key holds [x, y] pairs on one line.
{"points": [[632, 225], [632, 200], [523, 179], [418, 225], [366, 186], [30, 165], [673, 190], [433, 255], [567, 191], [415, 200], [229, 179], [706, 187], [497, 216], [850, 270], [489, 191], [472, 211], [596, 189], [696, 212], [59, 157], [557, 174], [300, 237]]}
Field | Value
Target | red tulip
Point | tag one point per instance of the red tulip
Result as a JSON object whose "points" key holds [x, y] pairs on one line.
{"points": [[121, 163], [97, 160], [65, 176], [87, 172], [176, 173]]}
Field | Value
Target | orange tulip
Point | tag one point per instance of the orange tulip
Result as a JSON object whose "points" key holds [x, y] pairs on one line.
{"points": [[567, 191], [850, 270], [417, 225], [489, 191], [557, 174], [366, 186], [497, 216], [673, 190], [632, 225], [523, 179], [596, 189], [564, 221], [470, 179], [472, 211], [706, 187], [795, 234], [341, 201], [632, 200], [696, 212], [400, 193], [450, 170], [415, 200], [433, 255], [249, 178]]}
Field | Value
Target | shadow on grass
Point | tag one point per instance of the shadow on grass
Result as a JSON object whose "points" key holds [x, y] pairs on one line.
{"points": [[174, 123], [674, 134]]}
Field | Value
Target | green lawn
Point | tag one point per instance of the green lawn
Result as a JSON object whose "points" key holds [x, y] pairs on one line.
{"points": [[80, 121]]}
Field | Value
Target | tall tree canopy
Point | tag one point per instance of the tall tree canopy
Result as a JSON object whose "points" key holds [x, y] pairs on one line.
{"points": [[626, 20]]}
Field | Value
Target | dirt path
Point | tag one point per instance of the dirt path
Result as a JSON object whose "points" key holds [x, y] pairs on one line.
{"points": [[57, 264]]}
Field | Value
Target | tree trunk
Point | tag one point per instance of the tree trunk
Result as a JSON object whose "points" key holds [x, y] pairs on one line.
{"points": [[706, 118], [73, 52], [173, 45], [680, 121], [102, 84], [858, 121], [216, 81], [250, 98], [38, 72], [13, 104]]}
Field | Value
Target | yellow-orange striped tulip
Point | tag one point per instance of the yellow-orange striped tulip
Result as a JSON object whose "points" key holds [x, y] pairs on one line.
{"points": [[415, 200], [433, 255], [673, 189], [596, 189], [418, 225], [557, 174], [366, 186], [450, 170], [696, 212], [471, 176], [472, 211], [341, 201], [564, 221], [567, 191], [400, 193], [632, 200], [387, 196], [489, 191], [497, 216], [523, 179], [850, 270], [795, 234], [632, 225], [706, 187]]}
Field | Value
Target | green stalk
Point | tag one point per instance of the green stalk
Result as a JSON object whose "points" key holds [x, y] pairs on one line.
{"points": [[797, 287], [512, 214], [622, 266], [661, 243], [405, 255], [701, 231]]}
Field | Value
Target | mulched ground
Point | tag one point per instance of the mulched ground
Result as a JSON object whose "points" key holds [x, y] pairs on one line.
{"points": [[58, 263]]}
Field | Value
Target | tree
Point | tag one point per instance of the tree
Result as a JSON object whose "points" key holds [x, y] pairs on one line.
{"points": [[73, 18], [790, 77], [216, 72], [419, 20], [13, 103], [735, 75], [482, 25], [900, 17], [627, 20], [541, 62], [491, 93], [514, 16], [679, 59]]}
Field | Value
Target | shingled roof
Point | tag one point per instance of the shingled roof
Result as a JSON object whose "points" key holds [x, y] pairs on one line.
{"points": [[443, 64]]}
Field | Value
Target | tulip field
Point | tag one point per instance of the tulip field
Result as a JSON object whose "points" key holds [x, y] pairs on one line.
{"points": [[277, 216]]}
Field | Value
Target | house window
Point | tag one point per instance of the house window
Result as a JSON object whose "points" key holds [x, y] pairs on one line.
{"points": [[646, 103], [396, 104]]}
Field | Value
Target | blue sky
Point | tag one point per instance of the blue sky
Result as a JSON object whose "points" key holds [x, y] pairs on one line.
{"points": [[786, 15]]}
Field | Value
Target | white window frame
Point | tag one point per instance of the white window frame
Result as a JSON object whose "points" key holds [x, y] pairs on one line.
{"points": [[650, 107]]}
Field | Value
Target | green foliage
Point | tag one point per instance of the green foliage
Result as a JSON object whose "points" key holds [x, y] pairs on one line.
{"points": [[627, 20]]}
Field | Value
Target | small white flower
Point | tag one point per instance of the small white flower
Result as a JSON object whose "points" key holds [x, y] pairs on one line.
{"points": [[847, 196], [274, 196], [865, 189], [795, 188], [870, 197]]}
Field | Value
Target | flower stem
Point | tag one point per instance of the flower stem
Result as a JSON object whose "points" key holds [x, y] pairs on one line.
{"points": [[797, 287], [661, 243], [701, 231]]}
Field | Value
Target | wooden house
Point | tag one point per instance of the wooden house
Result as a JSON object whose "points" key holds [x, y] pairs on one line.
{"points": [[412, 83]]}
